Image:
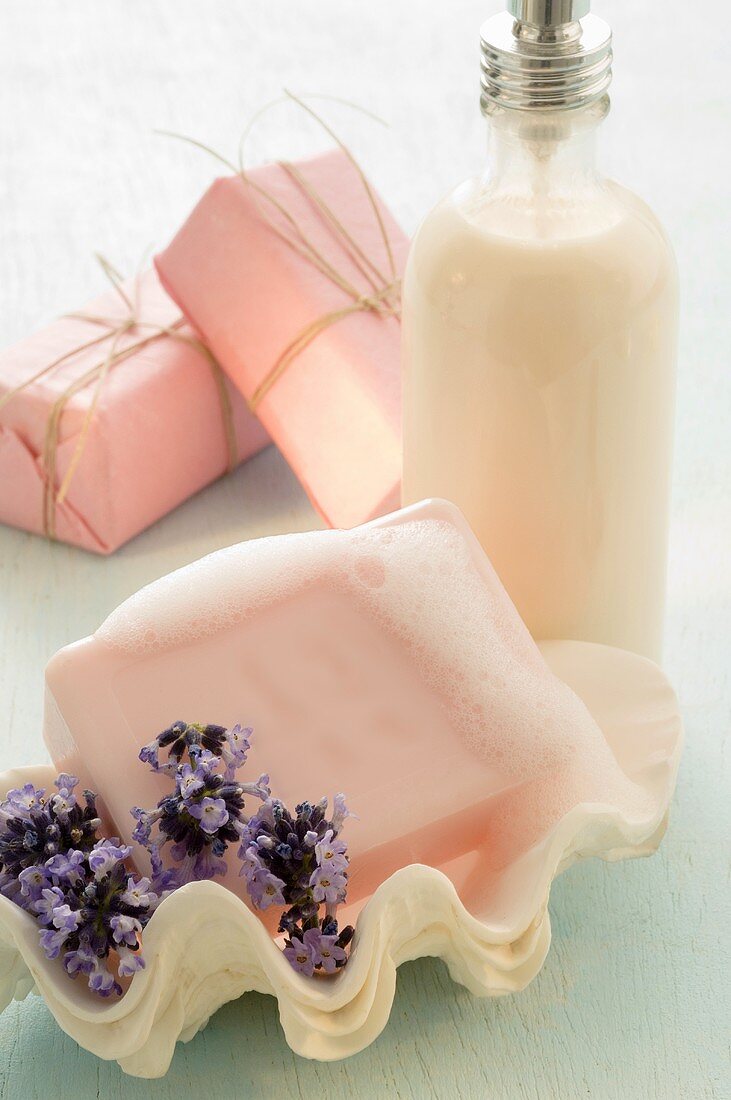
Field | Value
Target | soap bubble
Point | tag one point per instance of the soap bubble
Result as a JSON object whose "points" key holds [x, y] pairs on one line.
{"points": [[419, 580]]}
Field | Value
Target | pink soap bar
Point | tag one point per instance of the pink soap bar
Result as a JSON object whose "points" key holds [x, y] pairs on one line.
{"points": [[386, 662], [157, 435], [240, 272]]}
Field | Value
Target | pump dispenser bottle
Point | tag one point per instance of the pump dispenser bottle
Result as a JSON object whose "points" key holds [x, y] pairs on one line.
{"points": [[540, 317]]}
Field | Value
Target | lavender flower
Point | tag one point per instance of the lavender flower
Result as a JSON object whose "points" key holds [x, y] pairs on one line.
{"points": [[125, 929], [340, 813], [130, 961], [300, 952], [205, 812], [65, 918], [66, 865], [52, 941], [35, 828], [331, 853], [190, 780], [77, 886], [138, 894], [315, 951], [91, 911], [93, 907], [104, 857], [101, 980], [179, 739], [32, 881], [328, 886], [50, 898], [298, 861], [211, 813], [264, 888], [236, 746], [327, 952]]}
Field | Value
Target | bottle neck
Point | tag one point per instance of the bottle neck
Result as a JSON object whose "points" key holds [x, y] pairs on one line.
{"points": [[541, 178], [555, 151]]}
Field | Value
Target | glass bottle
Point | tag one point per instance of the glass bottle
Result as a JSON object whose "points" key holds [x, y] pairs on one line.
{"points": [[540, 318]]}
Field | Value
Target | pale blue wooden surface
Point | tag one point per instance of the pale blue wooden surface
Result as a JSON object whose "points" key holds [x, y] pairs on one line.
{"points": [[633, 1002]]}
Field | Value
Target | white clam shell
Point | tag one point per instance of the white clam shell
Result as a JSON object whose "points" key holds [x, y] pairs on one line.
{"points": [[203, 947]]}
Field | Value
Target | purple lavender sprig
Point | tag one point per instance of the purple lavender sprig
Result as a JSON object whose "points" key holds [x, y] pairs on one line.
{"points": [[76, 885], [182, 737], [34, 827], [205, 812], [299, 861], [90, 906], [91, 910]]}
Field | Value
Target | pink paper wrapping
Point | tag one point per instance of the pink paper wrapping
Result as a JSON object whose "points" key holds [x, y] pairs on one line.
{"points": [[335, 413], [156, 437]]}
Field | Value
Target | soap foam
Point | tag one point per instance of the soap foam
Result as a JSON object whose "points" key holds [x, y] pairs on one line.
{"points": [[419, 581]]}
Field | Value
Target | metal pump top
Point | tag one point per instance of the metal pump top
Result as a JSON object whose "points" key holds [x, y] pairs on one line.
{"points": [[545, 55]]}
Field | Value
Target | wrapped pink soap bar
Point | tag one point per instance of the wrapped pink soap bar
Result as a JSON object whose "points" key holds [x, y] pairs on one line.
{"points": [[293, 278], [386, 662], [166, 422]]}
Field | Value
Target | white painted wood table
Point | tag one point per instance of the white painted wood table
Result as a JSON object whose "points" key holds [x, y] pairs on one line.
{"points": [[634, 999]]}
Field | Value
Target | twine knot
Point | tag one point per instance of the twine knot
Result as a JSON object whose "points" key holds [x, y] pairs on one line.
{"points": [[114, 331]]}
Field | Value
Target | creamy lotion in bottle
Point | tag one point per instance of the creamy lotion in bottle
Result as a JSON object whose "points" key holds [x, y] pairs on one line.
{"points": [[540, 318]]}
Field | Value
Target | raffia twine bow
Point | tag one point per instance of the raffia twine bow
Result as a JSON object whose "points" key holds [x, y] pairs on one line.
{"points": [[114, 332], [383, 298]]}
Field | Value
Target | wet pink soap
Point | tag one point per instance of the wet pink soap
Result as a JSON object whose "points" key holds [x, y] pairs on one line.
{"points": [[386, 662]]}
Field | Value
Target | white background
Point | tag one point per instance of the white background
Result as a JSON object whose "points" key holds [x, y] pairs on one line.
{"points": [[631, 999]]}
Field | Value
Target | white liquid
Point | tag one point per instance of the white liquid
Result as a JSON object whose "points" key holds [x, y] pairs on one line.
{"points": [[539, 349]]}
